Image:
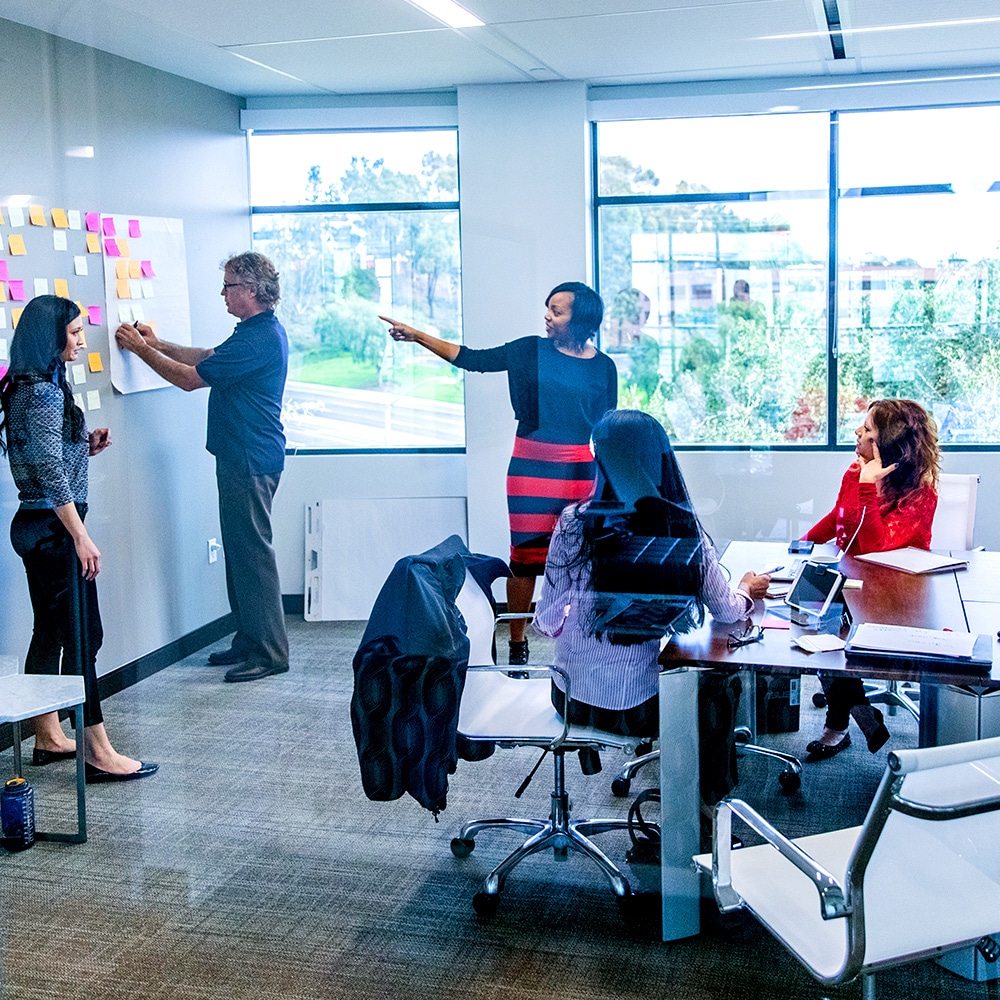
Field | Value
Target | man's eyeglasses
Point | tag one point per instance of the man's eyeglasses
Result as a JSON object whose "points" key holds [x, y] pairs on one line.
{"points": [[232, 284], [750, 633]]}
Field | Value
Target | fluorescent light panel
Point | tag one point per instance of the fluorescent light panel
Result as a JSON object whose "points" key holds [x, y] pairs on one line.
{"points": [[454, 15], [884, 27]]}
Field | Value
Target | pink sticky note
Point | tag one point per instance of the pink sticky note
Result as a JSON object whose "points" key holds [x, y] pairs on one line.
{"points": [[147, 269], [3, 270], [15, 289], [94, 314], [111, 248], [774, 621], [93, 222], [108, 225], [133, 229]]}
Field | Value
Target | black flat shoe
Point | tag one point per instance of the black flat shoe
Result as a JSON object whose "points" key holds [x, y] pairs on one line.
{"points": [[95, 776], [821, 751], [879, 736], [39, 758], [226, 658], [255, 671], [518, 656]]}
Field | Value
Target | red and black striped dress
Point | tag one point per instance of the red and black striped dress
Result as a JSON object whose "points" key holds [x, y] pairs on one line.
{"points": [[557, 399]]}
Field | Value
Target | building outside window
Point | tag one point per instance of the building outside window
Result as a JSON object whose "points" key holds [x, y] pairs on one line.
{"points": [[361, 224], [753, 302]]}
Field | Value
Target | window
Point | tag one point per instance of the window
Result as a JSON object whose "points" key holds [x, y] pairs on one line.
{"points": [[361, 224], [725, 314]]}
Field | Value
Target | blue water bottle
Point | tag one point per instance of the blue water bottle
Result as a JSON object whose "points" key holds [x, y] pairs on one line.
{"points": [[17, 814]]}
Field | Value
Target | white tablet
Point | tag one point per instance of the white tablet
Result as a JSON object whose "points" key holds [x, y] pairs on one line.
{"points": [[815, 588]]}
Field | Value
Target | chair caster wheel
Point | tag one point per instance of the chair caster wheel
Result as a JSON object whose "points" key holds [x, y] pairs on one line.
{"points": [[462, 848], [790, 781], [626, 903], [620, 787], [485, 904], [819, 699]]}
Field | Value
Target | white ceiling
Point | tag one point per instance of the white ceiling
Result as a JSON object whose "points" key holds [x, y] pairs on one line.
{"points": [[258, 48]]}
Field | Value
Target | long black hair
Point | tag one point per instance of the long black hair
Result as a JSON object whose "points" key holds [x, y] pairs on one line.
{"points": [[632, 448], [36, 356]]}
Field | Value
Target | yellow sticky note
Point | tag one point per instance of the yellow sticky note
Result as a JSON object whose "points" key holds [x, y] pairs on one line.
{"points": [[121, 268], [123, 250], [59, 219], [61, 287], [3, 292], [15, 316], [122, 289], [134, 268], [93, 243], [1, 217], [36, 215], [94, 360], [15, 244]]}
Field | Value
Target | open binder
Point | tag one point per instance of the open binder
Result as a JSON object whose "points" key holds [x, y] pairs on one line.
{"points": [[877, 644]]}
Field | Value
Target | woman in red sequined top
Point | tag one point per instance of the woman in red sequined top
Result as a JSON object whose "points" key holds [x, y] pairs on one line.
{"points": [[887, 501]]}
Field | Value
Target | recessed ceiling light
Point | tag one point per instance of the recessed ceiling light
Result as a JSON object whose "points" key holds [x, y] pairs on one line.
{"points": [[454, 15], [885, 27], [895, 82]]}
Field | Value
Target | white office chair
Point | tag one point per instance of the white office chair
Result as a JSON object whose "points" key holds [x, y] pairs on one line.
{"points": [[920, 877], [25, 696], [512, 707], [952, 529]]}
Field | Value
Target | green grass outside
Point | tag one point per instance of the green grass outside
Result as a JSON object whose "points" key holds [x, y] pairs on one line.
{"points": [[421, 381]]}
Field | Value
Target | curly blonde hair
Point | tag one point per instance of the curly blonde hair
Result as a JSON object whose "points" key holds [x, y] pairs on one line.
{"points": [[907, 436]]}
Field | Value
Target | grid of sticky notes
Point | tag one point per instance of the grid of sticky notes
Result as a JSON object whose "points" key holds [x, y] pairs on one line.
{"points": [[78, 235]]}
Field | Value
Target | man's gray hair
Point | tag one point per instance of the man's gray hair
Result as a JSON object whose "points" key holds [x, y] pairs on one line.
{"points": [[258, 274]]}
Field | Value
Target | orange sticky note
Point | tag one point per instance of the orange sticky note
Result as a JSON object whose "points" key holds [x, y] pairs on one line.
{"points": [[122, 289], [94, 360], [121, 268], [15, 244], [15, 315], [123, 250], [59, 219], [93, 243], [36, 215], [134, 268], [1, 217], [61, 287], [3, 292]]}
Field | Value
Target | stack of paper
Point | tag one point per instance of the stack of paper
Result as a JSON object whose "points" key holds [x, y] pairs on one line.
{"points": [[900, 640], [911, 560]]}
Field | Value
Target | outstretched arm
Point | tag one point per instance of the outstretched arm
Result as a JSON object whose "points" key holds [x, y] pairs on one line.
{"points": [[408, 334], [172, 362]]}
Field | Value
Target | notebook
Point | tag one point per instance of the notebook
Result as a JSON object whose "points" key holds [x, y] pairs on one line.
{"points": [[911, 560]]}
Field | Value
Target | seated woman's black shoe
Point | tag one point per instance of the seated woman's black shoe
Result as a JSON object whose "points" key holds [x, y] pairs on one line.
{"points": [[818, 750], [879, 736], [518, 653]]}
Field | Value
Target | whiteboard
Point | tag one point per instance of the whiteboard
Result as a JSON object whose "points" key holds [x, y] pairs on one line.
{"points": [[159, 295]]}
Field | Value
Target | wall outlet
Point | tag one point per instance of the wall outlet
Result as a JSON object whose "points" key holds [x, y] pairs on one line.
{"points": [[213, 550]]}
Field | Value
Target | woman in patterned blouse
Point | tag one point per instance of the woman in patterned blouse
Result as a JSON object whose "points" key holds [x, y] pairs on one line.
{"points": [[48, 445]]}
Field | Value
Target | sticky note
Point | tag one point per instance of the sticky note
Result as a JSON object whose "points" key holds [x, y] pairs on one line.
{"points": [[16, 215], [133, 229], [3, 293], [93, 400], [121, 268], [111, 248], [79, 374], [80, 265], [74, 218], [135, 289], [147, 289], [16, 290], [3, 270], [15, 244], [123, 249], [124, 312], [41, 286], [36, 214], [94, 360], [3, 348], [59, 239], [94, 315], [93, 243], [3, 319], [122, 289], [138, 313], [147, 269], [108, 226], [93, 222], [60, 286], [78, 399], [15, 315], [59, 218], [134, 269], [1, 216]]}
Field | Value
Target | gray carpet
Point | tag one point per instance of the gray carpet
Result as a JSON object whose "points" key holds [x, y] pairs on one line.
{"points": [[253, 866]]}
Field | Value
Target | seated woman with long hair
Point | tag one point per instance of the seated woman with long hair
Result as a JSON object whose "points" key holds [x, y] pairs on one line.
{"points": [[886, 501], [614, 679]]}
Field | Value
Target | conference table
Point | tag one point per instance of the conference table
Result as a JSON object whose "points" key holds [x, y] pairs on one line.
{"points": [[956, 703]]}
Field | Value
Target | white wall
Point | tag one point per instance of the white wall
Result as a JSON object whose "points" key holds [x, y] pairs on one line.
{"points": [[163, 147]]}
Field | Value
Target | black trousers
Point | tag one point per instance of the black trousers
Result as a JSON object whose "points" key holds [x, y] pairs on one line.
{"points": [[842, 694], [67, 630]]}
